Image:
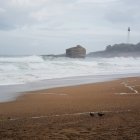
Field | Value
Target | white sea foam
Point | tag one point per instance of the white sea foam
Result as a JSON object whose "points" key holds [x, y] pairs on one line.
{"points": [[19, 70]]}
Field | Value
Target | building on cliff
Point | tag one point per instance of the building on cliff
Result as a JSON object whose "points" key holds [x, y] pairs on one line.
{"points": [[76, 52]]}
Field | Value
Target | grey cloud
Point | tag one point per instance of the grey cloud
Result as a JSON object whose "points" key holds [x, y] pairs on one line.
{"points": [[55, 23], [117, 11], [5, 26], [18, 16], [14, 17], [125, 12], [122, 16]]}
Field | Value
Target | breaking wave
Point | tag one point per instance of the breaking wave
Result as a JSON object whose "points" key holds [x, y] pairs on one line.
{"points": [[25, 69]]}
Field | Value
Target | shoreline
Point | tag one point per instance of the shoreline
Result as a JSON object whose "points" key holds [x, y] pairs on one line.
{"points": [[64, 112], [12, 92], [120, 88]]}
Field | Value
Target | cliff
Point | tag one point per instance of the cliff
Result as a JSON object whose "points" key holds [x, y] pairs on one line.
{"points": [[118, 50]]}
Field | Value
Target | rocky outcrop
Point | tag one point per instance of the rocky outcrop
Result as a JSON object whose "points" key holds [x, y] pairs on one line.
{"points": [[76, 52], [118, 50]]}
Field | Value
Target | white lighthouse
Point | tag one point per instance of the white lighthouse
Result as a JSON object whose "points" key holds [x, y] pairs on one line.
{"points": [[128, 35]]}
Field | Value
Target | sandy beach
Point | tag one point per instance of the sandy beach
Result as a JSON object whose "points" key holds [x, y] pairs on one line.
{"points": [[64, 113]]}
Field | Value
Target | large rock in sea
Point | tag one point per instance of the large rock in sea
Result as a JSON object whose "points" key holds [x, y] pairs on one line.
{"points": [[76, 52]]}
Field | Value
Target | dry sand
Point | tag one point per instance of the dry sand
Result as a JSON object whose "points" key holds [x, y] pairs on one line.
{"points": [[63, 113]]}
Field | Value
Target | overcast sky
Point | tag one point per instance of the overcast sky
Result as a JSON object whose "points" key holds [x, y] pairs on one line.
{"points": [[51, 26]]}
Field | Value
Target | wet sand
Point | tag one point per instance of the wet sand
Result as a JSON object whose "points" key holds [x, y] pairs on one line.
{"points": [[63, 113]]}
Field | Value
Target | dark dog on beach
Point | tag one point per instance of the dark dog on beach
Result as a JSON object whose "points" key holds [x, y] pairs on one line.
{"points": [[91, 114], [100, 114]]}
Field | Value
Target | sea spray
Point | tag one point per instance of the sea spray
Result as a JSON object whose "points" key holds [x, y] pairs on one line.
{"points": [[26, 69]]}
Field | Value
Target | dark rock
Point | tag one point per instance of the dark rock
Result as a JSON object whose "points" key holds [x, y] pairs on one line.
{"points": [[76, 52]]}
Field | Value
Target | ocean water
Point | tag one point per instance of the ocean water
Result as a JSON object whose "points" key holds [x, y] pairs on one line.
{"points": [[28, 69]]}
